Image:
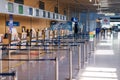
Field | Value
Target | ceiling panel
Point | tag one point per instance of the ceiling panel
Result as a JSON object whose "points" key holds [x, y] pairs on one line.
{"points": [[82, 5]]}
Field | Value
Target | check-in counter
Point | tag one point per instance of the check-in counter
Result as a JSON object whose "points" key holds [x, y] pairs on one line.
{"points": [[23, 40], [40, 35], [51, 34], [1, 38], [43, 34], [47, 34], [55, 33], [14, 41], [61, 32], [33, 38], [1, 42]]}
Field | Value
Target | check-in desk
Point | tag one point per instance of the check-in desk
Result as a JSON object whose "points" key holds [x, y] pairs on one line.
{"points": [[51, 34], [1, 38], [40, 35], [61, 32], [47, 34], [23, 40], [14, 41], [1, 42], [55, 33], [33, 39]]}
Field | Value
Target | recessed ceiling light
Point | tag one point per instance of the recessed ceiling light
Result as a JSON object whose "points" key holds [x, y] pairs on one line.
{"points": [[90, 0]]}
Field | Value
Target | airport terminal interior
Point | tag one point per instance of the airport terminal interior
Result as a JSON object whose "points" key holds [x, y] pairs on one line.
{"points": [[59, 40]]}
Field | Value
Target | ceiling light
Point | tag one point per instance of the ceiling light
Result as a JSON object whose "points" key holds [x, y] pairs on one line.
{"points": [[95, 4], [90, 0]]}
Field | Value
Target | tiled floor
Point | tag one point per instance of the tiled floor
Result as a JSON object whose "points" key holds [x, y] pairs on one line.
{"points": [[105, 63]]}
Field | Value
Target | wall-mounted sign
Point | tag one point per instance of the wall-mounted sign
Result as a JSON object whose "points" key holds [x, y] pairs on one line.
{"points": [[14, 23], [20, 8], [30, 11], [10, 7]]}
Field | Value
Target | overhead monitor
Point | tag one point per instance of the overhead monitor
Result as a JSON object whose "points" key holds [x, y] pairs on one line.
{"points": [[37, 12], [48, 14], [30, 11], [20, 8], [10, 7], [44, 14]]}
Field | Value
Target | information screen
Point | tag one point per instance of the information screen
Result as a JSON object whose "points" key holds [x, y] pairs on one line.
{"points": [[30, 11], [48, 14], [44, 14], [20, 9], [10, 7], [37, 12]]}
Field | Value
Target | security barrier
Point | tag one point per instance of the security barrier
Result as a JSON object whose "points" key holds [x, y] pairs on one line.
{"points": [[68, 42]]}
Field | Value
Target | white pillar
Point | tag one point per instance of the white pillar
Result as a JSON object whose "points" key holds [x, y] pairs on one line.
{"points": [[56, 69], [70, 65]]}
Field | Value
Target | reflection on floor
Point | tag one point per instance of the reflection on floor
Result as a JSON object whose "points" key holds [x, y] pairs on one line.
{"points": [[99, 73], [106, 62]]}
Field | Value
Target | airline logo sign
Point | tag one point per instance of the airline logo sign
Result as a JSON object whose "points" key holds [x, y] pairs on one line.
{"points": [[106, 20]]}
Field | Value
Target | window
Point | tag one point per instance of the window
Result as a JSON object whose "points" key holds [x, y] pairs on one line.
{"points": [[41, 5], [19, 1], [56, 9]]}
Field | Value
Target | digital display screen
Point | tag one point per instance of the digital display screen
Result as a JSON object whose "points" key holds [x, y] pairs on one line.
{"points": [[60, 16], [48, 14], [44, 14], [53, 16], [10, 7], [20, 9], [57, 16], [37, 12], [30, 11]]}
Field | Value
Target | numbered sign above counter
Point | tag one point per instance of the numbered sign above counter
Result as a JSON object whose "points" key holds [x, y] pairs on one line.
{"points": [[22, 10]]}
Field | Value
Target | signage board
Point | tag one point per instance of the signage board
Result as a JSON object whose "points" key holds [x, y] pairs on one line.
{"points": [[14, 23]]}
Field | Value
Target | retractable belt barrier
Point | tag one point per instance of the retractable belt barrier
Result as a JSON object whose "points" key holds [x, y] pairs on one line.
{"points": [[82, 54]]}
